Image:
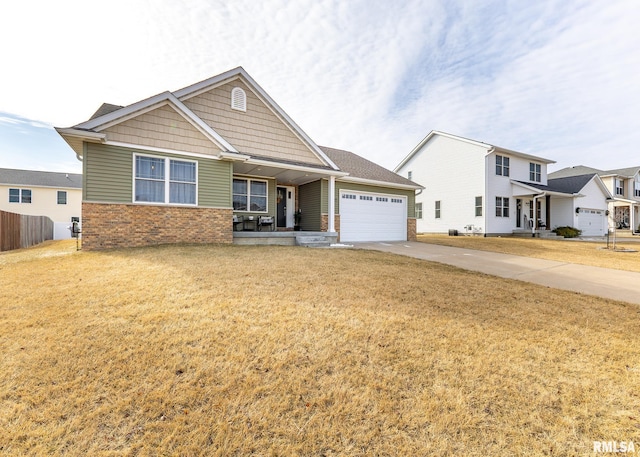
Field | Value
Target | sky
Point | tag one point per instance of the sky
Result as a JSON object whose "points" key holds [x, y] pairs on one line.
{"points": [[558, 79]]}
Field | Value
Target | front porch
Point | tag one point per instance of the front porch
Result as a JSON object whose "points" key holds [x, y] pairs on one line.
{"points": [[286, 238]]}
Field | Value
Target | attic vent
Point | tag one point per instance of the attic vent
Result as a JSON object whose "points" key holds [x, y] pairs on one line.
{"points": [[238, 99]]}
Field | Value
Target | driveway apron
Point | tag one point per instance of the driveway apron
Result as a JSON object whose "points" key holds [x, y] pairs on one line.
{"points": [[601, 282]]}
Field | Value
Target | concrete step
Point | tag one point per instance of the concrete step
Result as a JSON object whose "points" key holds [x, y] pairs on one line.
{"points": [[315, 241]]}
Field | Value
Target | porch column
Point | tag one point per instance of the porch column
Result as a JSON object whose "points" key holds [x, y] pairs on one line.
{"points": [[331, 227], [547, 209]]}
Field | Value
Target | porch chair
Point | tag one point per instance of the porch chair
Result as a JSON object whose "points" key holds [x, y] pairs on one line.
{"points": [[238, 221], [266, 221]]}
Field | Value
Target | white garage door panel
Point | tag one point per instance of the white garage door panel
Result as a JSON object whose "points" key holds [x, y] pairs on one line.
{"points": [[372, 217], [591, 222]]}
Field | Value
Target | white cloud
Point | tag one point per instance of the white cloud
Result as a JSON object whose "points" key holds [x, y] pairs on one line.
{"points": [[554, 78]]}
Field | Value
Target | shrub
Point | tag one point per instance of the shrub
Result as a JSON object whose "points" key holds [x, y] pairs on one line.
{"points": [[567, 232]]}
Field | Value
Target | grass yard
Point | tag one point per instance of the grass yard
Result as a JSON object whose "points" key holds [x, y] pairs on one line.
{"points": [[234, 350], [571, 251]]}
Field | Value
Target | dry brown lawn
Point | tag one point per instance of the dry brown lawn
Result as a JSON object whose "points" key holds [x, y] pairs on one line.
{"points": [[232, 350], [572, 251]]}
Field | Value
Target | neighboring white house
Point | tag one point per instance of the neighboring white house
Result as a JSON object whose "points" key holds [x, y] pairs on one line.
{"points": [[475, 187], [624, 186], [43, 193]]}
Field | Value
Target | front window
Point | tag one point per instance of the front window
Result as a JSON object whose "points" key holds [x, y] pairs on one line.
{"points": [[438, 209], [249, 195], [418, 210], [478, 206], [62, 197], [619, 187], [502, 165], [164, 180], [502, 207], [637, 189], [535, 172]]}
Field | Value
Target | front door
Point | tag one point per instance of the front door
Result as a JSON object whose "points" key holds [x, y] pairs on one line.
{"points": [[286, 205], [518, 213]]}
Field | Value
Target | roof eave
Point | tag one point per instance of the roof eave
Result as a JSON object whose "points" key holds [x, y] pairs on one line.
{"points": [[375, 182]]}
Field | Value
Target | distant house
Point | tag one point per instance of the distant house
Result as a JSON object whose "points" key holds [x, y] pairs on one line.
{"points": [[43, 193], [624, 186], [218, 157], [475, 187]]}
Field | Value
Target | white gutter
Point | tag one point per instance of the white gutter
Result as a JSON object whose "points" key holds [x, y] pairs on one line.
{"points": [[373, 182]]}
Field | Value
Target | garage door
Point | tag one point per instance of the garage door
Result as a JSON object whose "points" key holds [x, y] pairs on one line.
{"points": [[591, 222], [372, 217]]}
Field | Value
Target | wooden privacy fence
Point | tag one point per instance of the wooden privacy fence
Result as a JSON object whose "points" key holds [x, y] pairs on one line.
{"points": [[20, 231]]}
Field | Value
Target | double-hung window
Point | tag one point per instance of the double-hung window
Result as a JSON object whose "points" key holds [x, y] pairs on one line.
{"points": [[437, 209], [165, 180], [19, 195], [418, 210], [535, 173], [502, 206], [636, 192], [619, 187], [502, 165], [62, 197], [249, 195], [478, 206]]}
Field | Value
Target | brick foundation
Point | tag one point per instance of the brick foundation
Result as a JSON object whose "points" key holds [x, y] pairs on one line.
{"points": [[324, 223], [412, 230], [106, 225]]}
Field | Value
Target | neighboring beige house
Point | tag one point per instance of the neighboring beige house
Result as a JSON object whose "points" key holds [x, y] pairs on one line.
{"points": [[212, 162], [43, 193], [624, 186]]}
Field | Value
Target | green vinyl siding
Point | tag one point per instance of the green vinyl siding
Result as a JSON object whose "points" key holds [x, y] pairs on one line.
{"points": [[108, 172], [214, 183], [108, 176], [310, 200]]}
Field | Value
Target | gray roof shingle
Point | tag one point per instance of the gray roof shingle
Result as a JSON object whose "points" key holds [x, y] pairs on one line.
{"points": [[359, 167], [565, 185], [581, 170], [40, 178]]}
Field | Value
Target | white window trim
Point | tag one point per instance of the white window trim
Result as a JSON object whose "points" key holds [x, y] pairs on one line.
{"points": [[503, 166], [536, 172], [418, 210], [249, 181], [502, 206], [241, 97], [66, 197], [476, 206], [167, 181], [20, 190], [438, 209]]}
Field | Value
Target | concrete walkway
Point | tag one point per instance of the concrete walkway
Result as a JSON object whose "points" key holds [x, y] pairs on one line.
{"points": [[602, 282]]}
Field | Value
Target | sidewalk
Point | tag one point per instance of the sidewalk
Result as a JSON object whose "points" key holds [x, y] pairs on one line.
{"points": [[602, 282]]}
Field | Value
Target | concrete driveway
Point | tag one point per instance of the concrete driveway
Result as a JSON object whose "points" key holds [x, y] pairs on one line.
{"points": [[602, 282]]}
